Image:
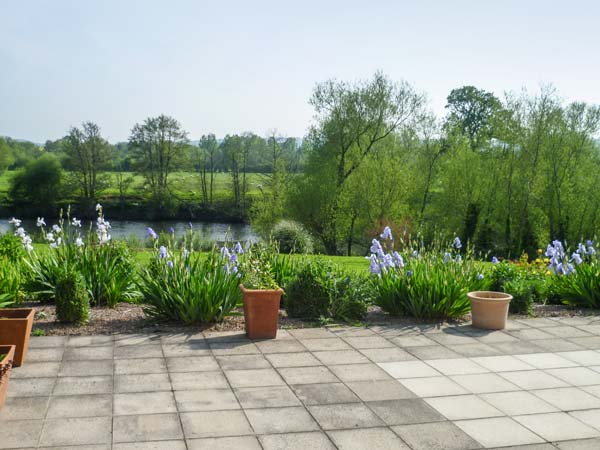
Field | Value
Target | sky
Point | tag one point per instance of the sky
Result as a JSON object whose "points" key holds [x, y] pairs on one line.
{"points": [[237, 66]]}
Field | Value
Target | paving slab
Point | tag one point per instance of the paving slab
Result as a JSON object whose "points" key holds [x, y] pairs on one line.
{"points": [[498, 432], [405, 411], [290, 441], [76, 431], [266, 397], [325, 393], [241, 362], [224, 443], [435, 436], [351, 415], [144, 403], [558, 426], [304, 359], [206, 400], [206, 424], [281, 420], [80, 406], [372, 391], [147, 427], [377, 439]]}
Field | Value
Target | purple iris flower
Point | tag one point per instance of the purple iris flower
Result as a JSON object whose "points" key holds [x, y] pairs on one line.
{"points": [[170, 264], [387, 234], [495, 260], [162, 251], [172, 230], [238, 249], [151, 233], [456, 243]]}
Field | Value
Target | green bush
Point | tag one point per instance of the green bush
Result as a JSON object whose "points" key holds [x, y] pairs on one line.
{"points": [[320, 290], [292, 237], [580, 288], [526, 286], [11, 247], [189, 287], [72, 298], [11, 281]]}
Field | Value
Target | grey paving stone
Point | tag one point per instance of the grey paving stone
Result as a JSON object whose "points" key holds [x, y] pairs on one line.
{"points": [[142, 383], [584, 357], [144, 403], [183, 338], [83, 385], [518, 347], [333, 343], [205, 424], [377, 438], [79, 447], [432, 352], [45, 354], [518, 403], [590, 417], [580, 444], [577, 376], [307, 375], [473, 350], [592, 328], [545, 446], [459, 366], [567, 332], [433, 386], [558, 345], [498, 432], [266, 397], [138, 351], [530, 334], [450, 338], [349, 415], [281, 420], [21, 433], [88, 341], [360, 372], [312, 333], [284, 346], [80, 406], [352, 332], [568, 399], [174, 350], [140, 366], [186, 381], [47, 341], [435, 436], [546, 360], [341, 357], [533, 379], [406, 411], [413, 341], [225, 443], [88, 353], [136, 339], [24, 408], [30, 387], [538, 322], [324, 394], [295, 441], [409, 369], [304, 359], [240, 362], [369, 391], [592, 342], [156, 445], [148, 427], [86, 368], [558, 426], [460, 407], [505, 363], [206, 400], [234, 348], [365, 342], [495, 337], [378, 355], [253, 377], [36, 370], [76, 431], [213, 337], [192, 364], [484, 383]]}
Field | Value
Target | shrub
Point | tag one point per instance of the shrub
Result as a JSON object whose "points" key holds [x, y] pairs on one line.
{"points": [[426, 284], [320, 290], [525, 282], [189, 287], [72, 298], [579, 288], [11, 247], [11, 281], [292, 237]]}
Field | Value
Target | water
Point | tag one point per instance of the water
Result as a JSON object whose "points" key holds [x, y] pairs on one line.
{"points": [[121, 229]]}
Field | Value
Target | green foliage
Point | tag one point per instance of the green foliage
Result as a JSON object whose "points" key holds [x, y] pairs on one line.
{"points": [[320, 290], [11, 247], [292, 237], [38, 332], [189, 288], [526, 283], [38, 185], [12, 280], [580, 288], [72, 298], [255, 268]]}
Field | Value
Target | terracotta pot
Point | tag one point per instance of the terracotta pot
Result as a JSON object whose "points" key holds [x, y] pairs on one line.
{"points": [[261, 312], [489, 310], [15, 328], [5, 369]]}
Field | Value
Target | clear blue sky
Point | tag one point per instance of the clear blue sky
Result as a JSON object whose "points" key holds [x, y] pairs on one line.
{"points": [[234, 66]]}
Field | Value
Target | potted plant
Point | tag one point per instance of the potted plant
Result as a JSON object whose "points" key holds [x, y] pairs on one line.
{"points": [[489, 310], [15, 328], [260, 293], [7, 354]]}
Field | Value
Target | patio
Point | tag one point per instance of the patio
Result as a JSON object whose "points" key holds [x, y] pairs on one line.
{"points": [[534, 386]]}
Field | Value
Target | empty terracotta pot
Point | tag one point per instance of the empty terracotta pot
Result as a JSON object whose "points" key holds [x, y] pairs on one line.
{"points": [[15, 328], [489, 310], [5, 369], [261, 312]]}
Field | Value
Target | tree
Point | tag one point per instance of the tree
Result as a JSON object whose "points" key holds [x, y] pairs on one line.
{"points": [[158, 145], [351, 120], [208, 148], [37, 186], [6, 155], [473, 110], [87, 154]]}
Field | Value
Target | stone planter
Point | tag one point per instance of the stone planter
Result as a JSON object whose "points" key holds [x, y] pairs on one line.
{"points": [[261, 312], [489, 310], [5, 368], [15, 328]]}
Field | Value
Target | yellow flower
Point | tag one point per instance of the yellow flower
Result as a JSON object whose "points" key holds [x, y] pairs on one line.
{"points": [[539, 251]]}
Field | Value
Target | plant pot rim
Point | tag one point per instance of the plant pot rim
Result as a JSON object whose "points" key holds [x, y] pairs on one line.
{"points": [[26, 313], [489, 296], [272, 291]]}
